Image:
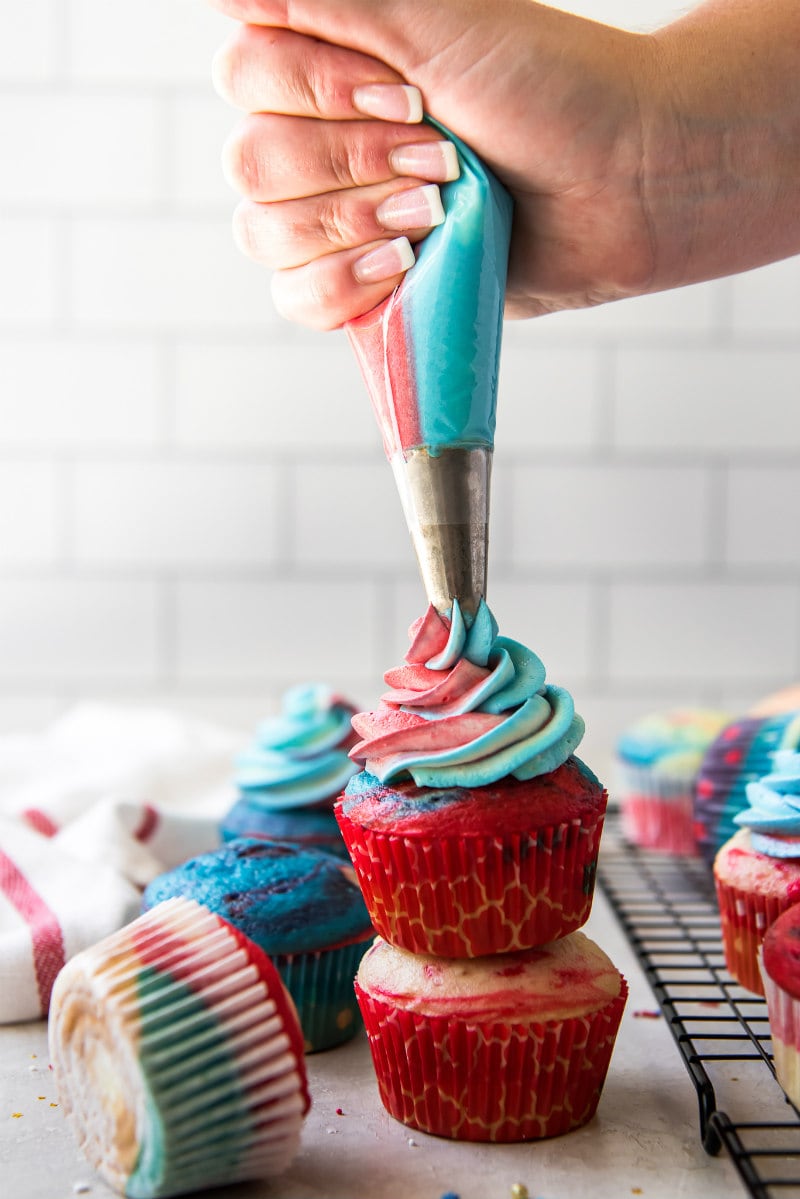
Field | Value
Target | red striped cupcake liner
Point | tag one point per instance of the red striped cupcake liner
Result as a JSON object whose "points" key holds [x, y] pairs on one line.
{"points": [[493, 1081], [472, 896]]}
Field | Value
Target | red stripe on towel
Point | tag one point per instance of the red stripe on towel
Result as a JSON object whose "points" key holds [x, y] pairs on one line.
{"points": [[148, 823], [45, 930], [40, 822]]}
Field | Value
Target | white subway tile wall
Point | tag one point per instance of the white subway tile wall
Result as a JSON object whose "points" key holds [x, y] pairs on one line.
{"points": [[194, 505]]}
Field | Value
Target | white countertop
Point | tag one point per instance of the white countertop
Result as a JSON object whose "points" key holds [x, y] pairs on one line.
{"points": [[643, 1141]]}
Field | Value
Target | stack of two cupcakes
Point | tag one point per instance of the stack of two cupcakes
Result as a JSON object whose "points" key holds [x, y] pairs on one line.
{"points": [[489, 1016]]}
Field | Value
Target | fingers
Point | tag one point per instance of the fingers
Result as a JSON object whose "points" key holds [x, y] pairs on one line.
{"points": [[271, 157], [275, 70], [334, 289], [293, 233]]}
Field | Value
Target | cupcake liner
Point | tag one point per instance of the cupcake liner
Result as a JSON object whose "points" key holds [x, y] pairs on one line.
{"points": [[659, 823], [178, 1056], [472, 896], [745, 917], [321, 985], [784, 1027], [493, 1081]]}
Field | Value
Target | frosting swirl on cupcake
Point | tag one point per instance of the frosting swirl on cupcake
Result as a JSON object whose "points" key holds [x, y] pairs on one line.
{"points": [[468, 708], [773, 816], [300, 757]]}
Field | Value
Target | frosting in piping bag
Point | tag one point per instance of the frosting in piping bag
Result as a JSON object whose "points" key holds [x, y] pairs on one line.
{"points": [[430, 352], [468, 708]]}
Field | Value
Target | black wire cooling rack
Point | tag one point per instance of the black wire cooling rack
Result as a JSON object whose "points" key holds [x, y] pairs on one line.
{"points": [[668, 910]]}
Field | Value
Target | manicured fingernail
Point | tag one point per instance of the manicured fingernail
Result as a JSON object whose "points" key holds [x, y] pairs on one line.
{"points": [[428, 160], [386, 260], [389, 102], [414, 208]]}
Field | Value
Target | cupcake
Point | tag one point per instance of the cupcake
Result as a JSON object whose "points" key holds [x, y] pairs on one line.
{"points": [[757, 872], [506, 1048], [739, 755], [301, 907], [289, 778], [178, 1056], [472, 829], [657, 762], [787, 699], [780, 971]]}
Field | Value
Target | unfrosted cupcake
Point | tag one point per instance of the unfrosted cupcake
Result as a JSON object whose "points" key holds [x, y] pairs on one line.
{"points": [[473, 829], [780, 971], [507, 1048], [290, 777], [302, 907], [657, 763], [177, 1055], [757, 872], [739, 755]]}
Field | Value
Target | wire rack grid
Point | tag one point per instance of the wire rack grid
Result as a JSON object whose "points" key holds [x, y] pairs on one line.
{"points": [[668, 910]]}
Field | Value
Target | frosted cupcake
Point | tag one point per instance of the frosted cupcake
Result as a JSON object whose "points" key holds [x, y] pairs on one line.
{"points": [[178, 1056], [472, 829], [657, 763], [757, 872], [506, 1048], [739, 755], [301, 907], [780, 971], [289, 778]]}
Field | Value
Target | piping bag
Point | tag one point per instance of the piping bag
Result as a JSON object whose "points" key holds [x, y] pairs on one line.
{"points": [[430, 357]]}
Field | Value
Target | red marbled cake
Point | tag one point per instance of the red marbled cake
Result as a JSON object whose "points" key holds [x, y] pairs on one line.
{"points": [[465, 872], [780, 969], [753, 890], [504, 1048]]}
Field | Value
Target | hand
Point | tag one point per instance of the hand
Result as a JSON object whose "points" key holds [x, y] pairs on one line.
{"points": [[636, 163]]}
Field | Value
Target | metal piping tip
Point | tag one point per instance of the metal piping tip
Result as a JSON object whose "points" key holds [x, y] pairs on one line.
{"points": [[445, 497]]}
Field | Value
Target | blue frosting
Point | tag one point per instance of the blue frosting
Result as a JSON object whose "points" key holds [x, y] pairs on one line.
{"points": [[300, 757], [774, 811], [285, 898]]}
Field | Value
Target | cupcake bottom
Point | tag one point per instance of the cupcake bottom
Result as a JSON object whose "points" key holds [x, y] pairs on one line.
{"points": [[666, 825], [745, 917], [321, 985], [490, 1081], [784, 1026]]}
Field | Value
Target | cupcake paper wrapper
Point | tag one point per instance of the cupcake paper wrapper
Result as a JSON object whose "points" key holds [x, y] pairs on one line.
{"points": [[178, 1056], [745, 918], [321, 985], [784, 1024], [493, 1081], [474, 896], [663, 824]]}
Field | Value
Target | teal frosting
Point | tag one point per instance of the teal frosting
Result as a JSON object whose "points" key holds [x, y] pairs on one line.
{"points": [[453, 308], [300, 757], [773, 816], [470, 708]]}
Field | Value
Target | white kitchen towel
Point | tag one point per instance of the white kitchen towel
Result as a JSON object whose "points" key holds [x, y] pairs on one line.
{"points": [[90, 811]]}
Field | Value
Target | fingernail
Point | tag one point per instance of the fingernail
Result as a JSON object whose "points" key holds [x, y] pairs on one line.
{"points": [[414, 208], [386, 260], [428, 160], [389, 102]]}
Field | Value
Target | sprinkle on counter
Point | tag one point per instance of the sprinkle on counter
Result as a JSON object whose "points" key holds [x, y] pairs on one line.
{"points": [[519, 1191]]}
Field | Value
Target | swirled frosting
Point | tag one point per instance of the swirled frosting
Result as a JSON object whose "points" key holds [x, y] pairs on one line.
{"points": [[773, 816], [300, 757], [468, 708]]}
